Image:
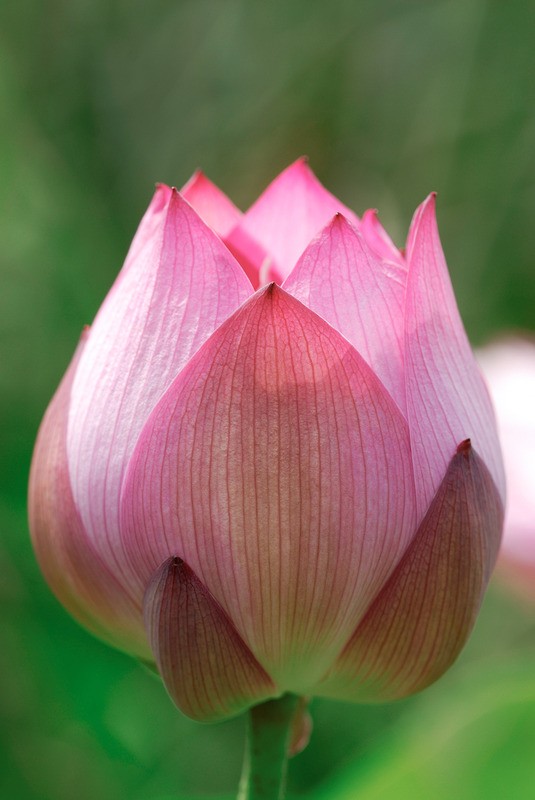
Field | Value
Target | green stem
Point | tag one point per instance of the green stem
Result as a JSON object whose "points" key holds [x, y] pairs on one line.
{"points": [[266, 755]]}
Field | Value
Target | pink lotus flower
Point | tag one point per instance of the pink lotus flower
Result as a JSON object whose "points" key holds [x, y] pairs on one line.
{"points": [[294, 489], [509, 367]]}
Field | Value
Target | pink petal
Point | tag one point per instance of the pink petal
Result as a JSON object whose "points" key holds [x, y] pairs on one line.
{"points": [[416, 627], [378, 239], [341, 279], [278, 468], [181, 285], [284, 219], [207, 668], [301, 728], [211, 204], [67, 558], [253, 258], [509, 367], [447, 400], [148, 227]]}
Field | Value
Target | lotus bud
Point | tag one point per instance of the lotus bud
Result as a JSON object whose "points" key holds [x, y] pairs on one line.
{"points": [[273, 465]]}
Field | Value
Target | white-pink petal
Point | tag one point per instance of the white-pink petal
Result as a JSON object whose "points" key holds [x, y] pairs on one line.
{"points": [[71, 564], [178, 286], [447, 400], [341, 279]]}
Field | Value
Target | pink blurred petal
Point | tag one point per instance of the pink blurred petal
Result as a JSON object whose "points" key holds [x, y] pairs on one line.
{"points": [[68, 560], [278, 467], [416, 627], [207, 668], [340, 278], [301, 729], [211, 204], [378, 239], [284, 219], [180, 286], [509, 368], [447, 400]]}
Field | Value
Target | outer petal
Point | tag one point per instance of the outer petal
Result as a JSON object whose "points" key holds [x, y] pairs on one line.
{"points": [[447, 400], [291, 211], [278, 467], [416, 627], [148, 227], [66, 556], [211, 204], [340, 278], [207, 668], [378, 239], [182, 284]]}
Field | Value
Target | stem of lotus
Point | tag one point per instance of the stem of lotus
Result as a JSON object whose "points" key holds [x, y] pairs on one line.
{"points": [[266, 753]]}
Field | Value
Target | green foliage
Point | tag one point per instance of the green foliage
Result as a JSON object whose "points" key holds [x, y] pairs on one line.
{"points": [[390, 100]]}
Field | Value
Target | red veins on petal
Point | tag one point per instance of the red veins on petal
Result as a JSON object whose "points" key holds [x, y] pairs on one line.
{"points": [[278, 466], [207, 668], [421, 619]]}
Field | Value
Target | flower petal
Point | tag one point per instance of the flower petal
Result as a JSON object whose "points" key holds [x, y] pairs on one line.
{"points": [[67, 558], [147, 228], [207, 668], [181, 285], [284, 219], [253, 258], [278, 467], [341, 279], [419, 622], [509, 368], [211, 204], [447, 400], [378, 239]]}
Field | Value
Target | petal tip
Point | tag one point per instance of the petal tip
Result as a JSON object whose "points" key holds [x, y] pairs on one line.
{"points": [[208, 669], [465, 448]]}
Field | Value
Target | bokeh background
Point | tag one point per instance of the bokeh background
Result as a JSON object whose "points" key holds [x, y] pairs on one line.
{"points": [[100, 99]]}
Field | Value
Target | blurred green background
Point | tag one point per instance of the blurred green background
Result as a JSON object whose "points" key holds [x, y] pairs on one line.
{"points": [[100, 99]]}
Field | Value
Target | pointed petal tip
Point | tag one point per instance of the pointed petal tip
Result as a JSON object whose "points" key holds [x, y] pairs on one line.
{"points": [[211, 204], [199, 181], [300, 168], [465, 448], [270, 290], [208, 669], [419, 622], [341, 221], [162, 193], [197, 177], [427, 207]]}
